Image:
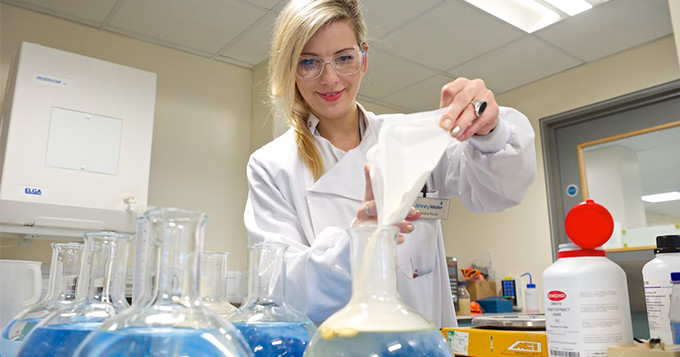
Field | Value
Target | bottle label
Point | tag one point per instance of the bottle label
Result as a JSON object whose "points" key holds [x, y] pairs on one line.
{"points": [[657, 299], [582, 323]]}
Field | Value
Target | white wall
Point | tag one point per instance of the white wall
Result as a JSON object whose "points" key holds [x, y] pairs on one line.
{"points": [[201, 130]]}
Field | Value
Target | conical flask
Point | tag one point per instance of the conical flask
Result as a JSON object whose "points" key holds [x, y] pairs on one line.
{"points": [[376, 322], [61, 292], [271, 327], [172, 321], [100, 294], [214, 283]]}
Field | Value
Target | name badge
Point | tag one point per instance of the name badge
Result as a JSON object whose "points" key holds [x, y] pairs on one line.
{"points": [[434, 208]]}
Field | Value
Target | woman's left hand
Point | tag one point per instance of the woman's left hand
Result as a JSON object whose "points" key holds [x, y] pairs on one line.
{"points": [[460, 119], [368, 212]]}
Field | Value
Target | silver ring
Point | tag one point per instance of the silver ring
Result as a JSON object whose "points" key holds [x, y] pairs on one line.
{"points": [[479, 106], [368, 210]]}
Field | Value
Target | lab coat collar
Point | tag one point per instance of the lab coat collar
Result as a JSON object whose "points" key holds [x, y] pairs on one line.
{"points": [[313, 121]]}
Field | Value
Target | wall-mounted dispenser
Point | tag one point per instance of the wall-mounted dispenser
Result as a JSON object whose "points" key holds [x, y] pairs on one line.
{"points": [[75, 144]]}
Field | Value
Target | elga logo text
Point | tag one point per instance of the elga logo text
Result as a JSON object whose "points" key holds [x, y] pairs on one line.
{"points": [[33, 191]]}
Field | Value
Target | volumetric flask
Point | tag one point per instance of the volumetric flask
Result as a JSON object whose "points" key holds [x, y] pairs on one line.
{"points": [[100, 294], [376, 322], [271, 327], [170, 319], [61, 292]]}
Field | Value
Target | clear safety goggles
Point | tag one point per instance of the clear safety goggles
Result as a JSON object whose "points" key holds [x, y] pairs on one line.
{"points": [[344, 64]]}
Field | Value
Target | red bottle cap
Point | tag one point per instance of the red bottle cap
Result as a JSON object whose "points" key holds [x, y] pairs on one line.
{"points": [[589, 224]]}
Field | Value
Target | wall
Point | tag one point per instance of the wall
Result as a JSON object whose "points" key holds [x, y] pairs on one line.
{"points": [[201, 128]]}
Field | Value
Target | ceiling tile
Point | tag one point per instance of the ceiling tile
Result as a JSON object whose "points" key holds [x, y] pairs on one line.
{"points": [[410, 40], [515, 64], [205, 28], [253, 47], [267, 4], [78, 10], [387, 74], [421, 96], [441, 38], [382, 16], [610, 28]]}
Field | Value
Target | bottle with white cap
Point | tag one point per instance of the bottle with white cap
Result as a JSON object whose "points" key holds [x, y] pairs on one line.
{"points": [[657, 283], [585, 294]]}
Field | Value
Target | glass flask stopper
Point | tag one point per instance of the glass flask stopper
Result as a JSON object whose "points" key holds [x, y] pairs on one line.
{"points": [[169, 318], [100, 294], [271, 327], [376, 322]]}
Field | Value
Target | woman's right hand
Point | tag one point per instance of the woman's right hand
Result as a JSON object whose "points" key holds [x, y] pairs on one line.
{"points": [[367, 213]]}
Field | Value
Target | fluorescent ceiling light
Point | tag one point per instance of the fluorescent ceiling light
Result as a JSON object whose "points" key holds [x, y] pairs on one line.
{"points": [[525, 14], [571, 7], [662, 197], [533, 15]]}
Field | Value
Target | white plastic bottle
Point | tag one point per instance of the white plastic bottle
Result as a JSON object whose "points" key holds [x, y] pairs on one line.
{"points": [[531, 297], [586, 303], [657, 282]]}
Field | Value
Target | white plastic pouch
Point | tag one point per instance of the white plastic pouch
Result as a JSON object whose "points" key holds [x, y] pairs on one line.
{"points": [[408, 149]]}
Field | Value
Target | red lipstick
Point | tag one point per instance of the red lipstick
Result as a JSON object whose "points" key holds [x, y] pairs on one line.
{"points": [[330, 96]]}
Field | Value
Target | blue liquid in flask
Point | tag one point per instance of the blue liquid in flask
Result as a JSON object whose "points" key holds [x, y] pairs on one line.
{"points": [[56, 340], [13, 335], [157, 342], [272, 339], [424, 343], [169, 319]]}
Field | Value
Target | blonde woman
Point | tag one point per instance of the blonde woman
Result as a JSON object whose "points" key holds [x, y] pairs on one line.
{"points": [[308, 186]]}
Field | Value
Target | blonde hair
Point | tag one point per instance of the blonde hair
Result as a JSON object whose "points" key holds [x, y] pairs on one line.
{"points": [[296, 24]]}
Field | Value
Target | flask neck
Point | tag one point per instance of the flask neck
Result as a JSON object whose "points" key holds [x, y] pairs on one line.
{"points": [[176, 239], [266, 274], [64, 269], [102, 269], [374, 263]]}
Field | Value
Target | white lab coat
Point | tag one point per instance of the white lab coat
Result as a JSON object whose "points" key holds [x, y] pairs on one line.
{"points": [[285, 204]]}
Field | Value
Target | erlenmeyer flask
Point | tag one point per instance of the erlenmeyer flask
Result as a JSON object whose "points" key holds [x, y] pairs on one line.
{"points": [[173, 320], [61, 292], [271, 327], [214, 283], [376, 322], [100, 294]]}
